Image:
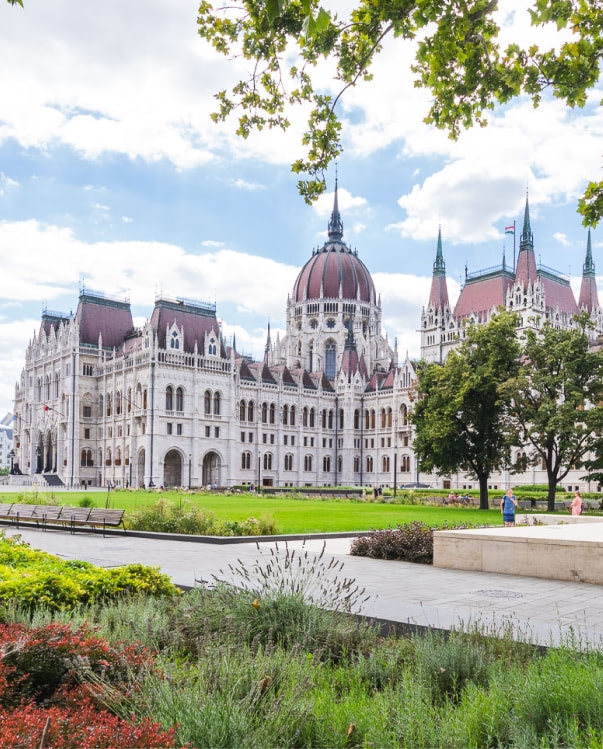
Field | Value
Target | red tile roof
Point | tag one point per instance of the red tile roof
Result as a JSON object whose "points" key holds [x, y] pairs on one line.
{"points": [[481, 295]]}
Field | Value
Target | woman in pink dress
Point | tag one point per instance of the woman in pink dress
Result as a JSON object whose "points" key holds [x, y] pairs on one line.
{"points": [[576, 505]]}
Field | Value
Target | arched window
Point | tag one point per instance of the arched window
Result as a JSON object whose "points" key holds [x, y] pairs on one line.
{"points": [[307, 463], [264, 413], [267, 461], [356, 419], [207, 402], [324, 418], [118, 403], [246, 460], [372, 418], [216, 404], [340, 426], [242, 411], [339, 464], [403, 415], [326, 464], [108, 460], [83, 458], [389, 417], [386, 464], [285, 415], [292, 416], [129, 405], [56, 384], [383, 418], [288, 462], [312, 412], [101, 406], [47, 388], [109, 404], [330, 359], [174, 341], [169, 397], [369, 464], [305, 416], [330, 418], [272, 413], [144, 399], [179, 399], [356, 464], [250, 409], [213, 347], [118, 456]]}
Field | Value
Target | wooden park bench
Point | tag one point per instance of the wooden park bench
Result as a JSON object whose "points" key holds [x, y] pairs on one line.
{"points": [[59, 515]]}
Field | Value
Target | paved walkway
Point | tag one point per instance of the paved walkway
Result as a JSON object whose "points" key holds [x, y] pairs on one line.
{"points": [[545, 611]]}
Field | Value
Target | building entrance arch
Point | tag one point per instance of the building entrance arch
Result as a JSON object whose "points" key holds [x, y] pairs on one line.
{"points": [[172, 469], [211, 469]]}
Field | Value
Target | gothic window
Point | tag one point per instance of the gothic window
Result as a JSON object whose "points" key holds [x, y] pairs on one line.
{"points": [[175, 340], [267, 461], [324, 418], [101, 407], [288, 462], [250, 409], [389, 417], [305, 416], [285, 415], [109, 404], [307, 463], [272, 413], [386, 464], [383, 418], [108, 460], [369, 464], [313, 324], [330, 323], [356, 419], [207, 402], [264, 413], [144, 399], [169, 395], [330, 419], [326, 464], [340, 426], [330, 359], [356, 464], [246, 460], [213, 347], [129, 399], [403, 415], [242, 411], [292, 416], [216, 404], [47, 388], [180, 400], [339, 463], [56, 384], [405, 464], [311, 356], [311, 417], [118, 403], [372, 418]]}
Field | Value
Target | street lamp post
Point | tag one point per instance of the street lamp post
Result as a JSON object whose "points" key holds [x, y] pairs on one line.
{"points": [[259, 471], [11, 456], [190, 467], [395, 468], [38, 456]]}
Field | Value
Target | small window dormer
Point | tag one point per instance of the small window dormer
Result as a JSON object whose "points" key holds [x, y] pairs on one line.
{"points": [[174, 338]]}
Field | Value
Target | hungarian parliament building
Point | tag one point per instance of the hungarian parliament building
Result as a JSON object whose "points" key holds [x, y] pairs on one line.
{"points": [[101, 402]]}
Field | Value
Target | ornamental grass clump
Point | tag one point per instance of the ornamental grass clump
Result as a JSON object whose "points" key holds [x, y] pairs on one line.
{"points": [[290, 598]]}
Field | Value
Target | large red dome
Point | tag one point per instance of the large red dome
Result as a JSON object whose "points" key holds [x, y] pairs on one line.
{"points": [[334, 271]]}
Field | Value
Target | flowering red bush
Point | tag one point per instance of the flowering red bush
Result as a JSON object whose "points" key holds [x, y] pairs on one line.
{"points": [[37, 662], [83, 727]]}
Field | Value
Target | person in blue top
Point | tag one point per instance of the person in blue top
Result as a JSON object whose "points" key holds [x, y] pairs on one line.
{"points": [[507, 506]]}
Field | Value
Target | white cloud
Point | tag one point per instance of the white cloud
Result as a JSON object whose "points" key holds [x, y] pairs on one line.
{"points": [[6, 183], [127, 219], [242, 184], [561, 238], [212, 243], [347, 202]]}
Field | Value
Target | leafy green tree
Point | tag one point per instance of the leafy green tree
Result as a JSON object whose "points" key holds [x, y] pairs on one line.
{"points": [[557, 396], [458, 58], [460, 412]]}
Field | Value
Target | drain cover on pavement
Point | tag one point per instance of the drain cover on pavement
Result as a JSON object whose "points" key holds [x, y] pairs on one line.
{"points": [[500, 593]]}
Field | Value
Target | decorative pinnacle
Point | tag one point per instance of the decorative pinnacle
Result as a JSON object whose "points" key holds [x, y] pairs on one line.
{"points": [[335, 224], [439, 266], [527, 237], [588, 269]]}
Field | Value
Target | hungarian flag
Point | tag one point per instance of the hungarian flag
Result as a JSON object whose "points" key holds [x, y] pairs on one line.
{"points": [[510, 229]]}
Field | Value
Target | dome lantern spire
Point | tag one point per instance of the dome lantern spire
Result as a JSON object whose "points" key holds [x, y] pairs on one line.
{"points": [[335, 224]]}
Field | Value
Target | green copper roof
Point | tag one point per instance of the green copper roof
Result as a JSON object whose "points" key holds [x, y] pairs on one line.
{"points": [[439, 266], [588, 269]]}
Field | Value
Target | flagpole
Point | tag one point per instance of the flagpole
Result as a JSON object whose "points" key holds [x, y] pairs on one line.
{"points": [[514, 269]]}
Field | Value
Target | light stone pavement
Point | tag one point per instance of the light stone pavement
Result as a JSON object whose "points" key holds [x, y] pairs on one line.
{"points": [[543, 611]]}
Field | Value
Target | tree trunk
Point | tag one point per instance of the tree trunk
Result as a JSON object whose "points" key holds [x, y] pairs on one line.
{"points": [[550, 498], [483, 492]]}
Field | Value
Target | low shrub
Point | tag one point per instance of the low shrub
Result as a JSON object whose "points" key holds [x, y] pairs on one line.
{"points": [[168, 517], [37, 579], [411, 542]]}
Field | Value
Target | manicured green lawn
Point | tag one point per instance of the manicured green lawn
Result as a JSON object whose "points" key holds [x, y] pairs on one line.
{"points": [[292, 515]]}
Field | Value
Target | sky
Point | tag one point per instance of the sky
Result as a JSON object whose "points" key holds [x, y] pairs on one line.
{"points": [[113, 177]]}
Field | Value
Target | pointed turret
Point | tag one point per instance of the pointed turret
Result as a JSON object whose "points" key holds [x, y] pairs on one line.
{"points": [[438, 296], [335, 224], [525, 272], [349, 361], [268, 346], [589, 298]]}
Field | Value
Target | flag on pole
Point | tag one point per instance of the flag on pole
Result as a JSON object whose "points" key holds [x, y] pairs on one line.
{"points": [[510, 229]]}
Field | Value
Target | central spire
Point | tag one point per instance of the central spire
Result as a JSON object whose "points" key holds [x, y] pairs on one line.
{"points": [[335, 224], [439, 266]]}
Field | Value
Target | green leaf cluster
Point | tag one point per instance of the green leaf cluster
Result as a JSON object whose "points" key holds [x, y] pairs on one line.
{"points": [[458, 58], [38, 579]]}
